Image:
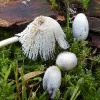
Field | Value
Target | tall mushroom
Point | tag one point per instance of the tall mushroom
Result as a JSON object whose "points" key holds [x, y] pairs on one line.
{"points": [[39, 38]]}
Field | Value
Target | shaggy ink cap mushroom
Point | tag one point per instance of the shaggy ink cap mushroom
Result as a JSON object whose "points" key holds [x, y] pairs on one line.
{"points": [[52, 80], [66, 60], [40, 36], [80, 27]]}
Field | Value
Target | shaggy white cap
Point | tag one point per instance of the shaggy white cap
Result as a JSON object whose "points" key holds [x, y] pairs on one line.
{"points": [[66, 60], [52, 80], [80, 27], [40, 36]]}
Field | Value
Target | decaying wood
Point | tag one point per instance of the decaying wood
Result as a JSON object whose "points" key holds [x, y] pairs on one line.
{"points": [[18, 12], [95, 40], [94, 24], [94, 8], [94, 15]]}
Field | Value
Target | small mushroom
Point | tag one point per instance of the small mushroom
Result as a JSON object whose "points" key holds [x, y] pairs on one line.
{"points": [[66, 60], [39, 38], [52, 80], [80, 27]]}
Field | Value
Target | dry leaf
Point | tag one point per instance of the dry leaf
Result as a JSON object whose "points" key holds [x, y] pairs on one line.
{"points": [[31, 75]]}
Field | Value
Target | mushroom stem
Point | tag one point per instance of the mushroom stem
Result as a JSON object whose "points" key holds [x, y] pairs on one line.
{"points": [[8, 41]]}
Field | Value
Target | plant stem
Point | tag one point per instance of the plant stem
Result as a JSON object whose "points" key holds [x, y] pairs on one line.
{"points": [[67, 9], [75, 93], [24, 95], [68, 18], [17, 83]]}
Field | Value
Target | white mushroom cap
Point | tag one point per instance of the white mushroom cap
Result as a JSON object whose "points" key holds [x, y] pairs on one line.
{"points": [[66, 60], [52, 80], [40, 36], [80, 27]]}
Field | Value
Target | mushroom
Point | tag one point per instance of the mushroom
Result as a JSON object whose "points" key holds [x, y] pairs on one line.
{"points": [[66, 60], [52, 80], [80, 27], [39, 38]]}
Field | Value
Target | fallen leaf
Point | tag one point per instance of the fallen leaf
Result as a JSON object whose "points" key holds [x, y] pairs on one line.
{"points": [[31, 75]]}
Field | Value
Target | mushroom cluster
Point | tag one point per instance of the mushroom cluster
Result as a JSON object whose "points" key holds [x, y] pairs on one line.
{"points": [[52, 76], [40, 37], [65, 60]]}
